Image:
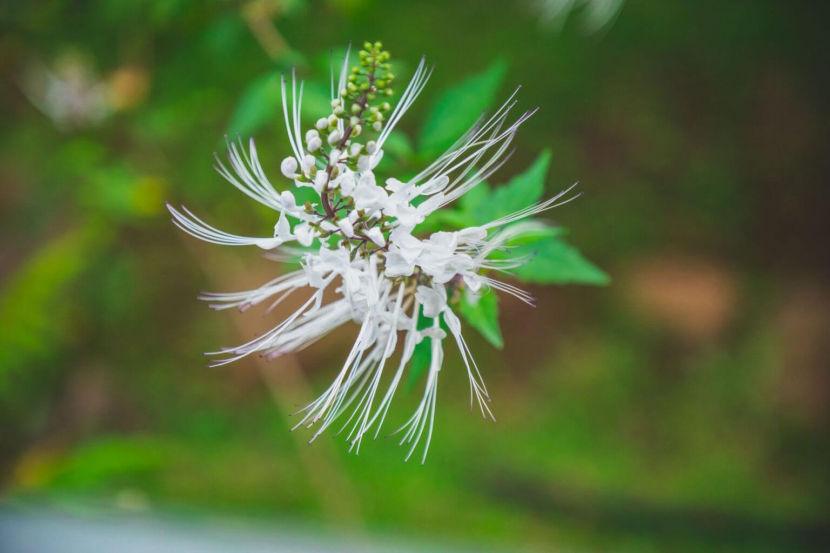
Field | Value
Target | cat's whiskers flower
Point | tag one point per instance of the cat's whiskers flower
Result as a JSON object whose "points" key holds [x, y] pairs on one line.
{"points": [[361, 243]]}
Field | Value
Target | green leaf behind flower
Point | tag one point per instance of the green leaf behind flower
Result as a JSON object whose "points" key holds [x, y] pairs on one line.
{"points": [[483, 315], [458, 107], [557, 262]]}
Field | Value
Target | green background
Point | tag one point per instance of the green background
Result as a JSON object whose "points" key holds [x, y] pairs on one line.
{"points": [[682, 408]]}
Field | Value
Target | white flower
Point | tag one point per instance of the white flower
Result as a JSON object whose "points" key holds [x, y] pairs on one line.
{"points": [[355, 274], [433, 299], [305, 234], [368, 196], [376, 236], [347, 227]]}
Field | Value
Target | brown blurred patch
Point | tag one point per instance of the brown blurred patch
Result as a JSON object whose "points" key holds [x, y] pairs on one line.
{"points": [[693, 297], [128, 87], [804, 327], [91, 400]]}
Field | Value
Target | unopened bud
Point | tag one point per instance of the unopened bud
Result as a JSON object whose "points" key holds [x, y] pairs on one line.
{"points": [[288, 167], [314, 144]]}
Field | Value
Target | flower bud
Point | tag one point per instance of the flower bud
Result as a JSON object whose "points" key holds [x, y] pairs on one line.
{"points": [[311, 134], [371, 147], [322, 123], [334, 156], [289, 167], [308, 162], [377, 126], [334, 137], [314, 144]]}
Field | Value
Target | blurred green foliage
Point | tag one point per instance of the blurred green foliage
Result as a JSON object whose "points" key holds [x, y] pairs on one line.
{"points": [[683, 408]]}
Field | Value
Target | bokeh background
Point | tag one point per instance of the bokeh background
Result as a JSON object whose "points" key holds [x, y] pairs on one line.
{"points": [[682, 408]]}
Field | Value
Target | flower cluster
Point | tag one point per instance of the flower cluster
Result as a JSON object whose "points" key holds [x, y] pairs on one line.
{"points": [[361, 241]]}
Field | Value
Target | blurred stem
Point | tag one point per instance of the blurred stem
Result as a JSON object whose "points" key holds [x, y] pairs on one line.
{"points": [[288, 386], [259, 16]]}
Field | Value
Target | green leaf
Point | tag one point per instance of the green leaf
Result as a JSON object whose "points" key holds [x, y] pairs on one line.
{"points": [[476, 198], [483, 315], [419, 363], [523, 190], [422, 356], [459, 106], [258, 105], [557, 262], [483, 204]]}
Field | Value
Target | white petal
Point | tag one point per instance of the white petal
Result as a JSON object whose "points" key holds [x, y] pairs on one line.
{"points": [[376, 236], [346, 226]]}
